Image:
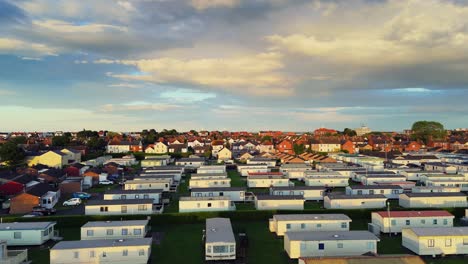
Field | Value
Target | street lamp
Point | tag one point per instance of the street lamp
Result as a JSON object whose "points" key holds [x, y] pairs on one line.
{"points": [[389, 219]]}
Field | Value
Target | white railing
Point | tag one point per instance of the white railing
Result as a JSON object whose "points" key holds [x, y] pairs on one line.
{"points": [[16, 257]]}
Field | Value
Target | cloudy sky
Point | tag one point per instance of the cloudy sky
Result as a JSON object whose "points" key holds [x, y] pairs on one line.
{"points": [[291, 65]]}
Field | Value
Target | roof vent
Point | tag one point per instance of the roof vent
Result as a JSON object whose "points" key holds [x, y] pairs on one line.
{"points": [[213, 230], [315, 217], [7, 227], [120, 240], [336, 236], [108, 221]]}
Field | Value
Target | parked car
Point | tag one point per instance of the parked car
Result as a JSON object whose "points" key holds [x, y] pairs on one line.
{"points": [[106, 182], [72, 202], [33, 214], [81, 195], [43, 210], [122, 182]]}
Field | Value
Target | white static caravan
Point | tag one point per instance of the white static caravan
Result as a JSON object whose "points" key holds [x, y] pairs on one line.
{"points": [[134, 251], [155, 161], [442, 177], [329, 243], [381, 179], [389, 191], [267, 181], [436, 241], [432, 200], [260, 160], [295, 171], [213, 175], [236, 194], [166, 169], [175, 176], [26, 233], [134, 194], [412, 175], [212, 169], [205, 204], [220, 243], [434, 189], [462, 185], [279, 202], [209, 182], [191, 163], [354, 201], [335, 181], [114, 229], [395, 221], [244, 169], [310, 193], [281, 224], [349, 171], [150, 184], [119, 207]]}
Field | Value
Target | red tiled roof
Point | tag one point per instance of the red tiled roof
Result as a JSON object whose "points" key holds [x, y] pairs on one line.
{"points": [[435, 213]]}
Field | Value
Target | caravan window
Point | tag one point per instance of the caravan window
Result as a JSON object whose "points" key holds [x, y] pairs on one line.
{"points": [[17, 235]]}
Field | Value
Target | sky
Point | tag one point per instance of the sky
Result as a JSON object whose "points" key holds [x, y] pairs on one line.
{"points": [[232, 64]]}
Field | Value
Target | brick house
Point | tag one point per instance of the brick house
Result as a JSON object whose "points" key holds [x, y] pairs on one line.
{"points": [[285, 146]]}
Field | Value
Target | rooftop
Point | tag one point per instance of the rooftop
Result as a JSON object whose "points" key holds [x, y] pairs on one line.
{"points": [[344, 196], [439, 194], [117, 202], [26, 225], [331, 235], [317, 217], [116, 223], [279, 197], [440, 231], [432, 213], [219, 230], [103, 243]]}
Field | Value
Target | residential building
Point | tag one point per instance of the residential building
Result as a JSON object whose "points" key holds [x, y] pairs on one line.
{"points": [[209, 182], [191, 162], [335, 181], [395, 221], [154, 161], [262, 161], [52, 159], [267, 181], [310, 193], [381, 259], [149, 184], [205, 204], [211, 169], [119, 207], [279, 202], [220, 243], [295, 171], [117, 194], [329, 243], [280, 224], [245, 169], [436, 241], [134, 251], [97, 230], [236, 194], [224, 155], [432, 200], [389, 191], [27, 233], [333, 201]]}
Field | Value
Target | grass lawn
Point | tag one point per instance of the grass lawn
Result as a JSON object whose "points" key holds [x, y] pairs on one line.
{"points": [[310, 205], [182, 190], [40, 254], [236, 179], [102, 188], [298, 183], [245, 207]]}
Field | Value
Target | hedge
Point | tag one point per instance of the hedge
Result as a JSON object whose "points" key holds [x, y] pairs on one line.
{"points": [[199, 217]]}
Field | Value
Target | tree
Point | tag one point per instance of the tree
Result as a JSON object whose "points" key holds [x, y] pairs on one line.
{"points": [[266, 138], [18, 140], [349, 132], [96, 143], [60, 141], [298, 149], [11, 154], [426, 130]]}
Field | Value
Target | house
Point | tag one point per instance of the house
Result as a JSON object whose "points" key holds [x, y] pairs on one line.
{"points": [[285, 146], [244, 156], [157, 148], [461, 184], [245, 169], [432, 189], [348, 146], [326, 145], [205, 204], [52, 159], [75, 184], [310, 193], [335, 181], [395, 221], [209, 182], [212, 169], [7, 256], [191, 162], [432, 200], [220, 243], [279, 202], [295, 171], [329, 243], [267, 181], [119, 207], [333, 201], [416, 175], [39, 194], [97, 230], [266, 146], [280, 224], [224, 155], [117, 146], [209, 175], [262, 161], [149, 184], [135, 251], [177, 148], [117, 194], [236, 194], [72, 155], [389, 191], [436, 241], [27, 233]]}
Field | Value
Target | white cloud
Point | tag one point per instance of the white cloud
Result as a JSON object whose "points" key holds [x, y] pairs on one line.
{"points": [[125, 85], [205, 4], [6, 92], [138, 106], [64, 27], [259, 74], [25, 49]]}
